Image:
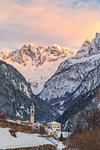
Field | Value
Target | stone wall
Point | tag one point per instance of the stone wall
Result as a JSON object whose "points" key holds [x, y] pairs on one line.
{"points": [[42, 147]]}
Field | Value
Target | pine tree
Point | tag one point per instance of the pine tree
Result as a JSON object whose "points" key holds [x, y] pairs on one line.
{"points": [[61, 137]]}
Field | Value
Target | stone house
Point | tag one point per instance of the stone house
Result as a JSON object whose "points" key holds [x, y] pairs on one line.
{"points": [[36, 127], [55, 126]]}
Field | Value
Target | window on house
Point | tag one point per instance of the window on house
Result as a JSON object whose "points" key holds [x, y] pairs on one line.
{"points": [[57, 129]]}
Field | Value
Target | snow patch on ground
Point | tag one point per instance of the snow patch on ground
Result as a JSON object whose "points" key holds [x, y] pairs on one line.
{"points": [[27, 140], [22, 140], [58, 144]]}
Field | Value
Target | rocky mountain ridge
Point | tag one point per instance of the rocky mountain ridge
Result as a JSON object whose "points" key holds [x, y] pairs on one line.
{"points": [[37, 64], [71, 75]]}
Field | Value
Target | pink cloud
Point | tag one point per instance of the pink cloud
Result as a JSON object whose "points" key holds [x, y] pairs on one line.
{"points": [[46, 23]]}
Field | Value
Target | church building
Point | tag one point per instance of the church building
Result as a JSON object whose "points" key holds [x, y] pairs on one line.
{"points": [[32, 114]]}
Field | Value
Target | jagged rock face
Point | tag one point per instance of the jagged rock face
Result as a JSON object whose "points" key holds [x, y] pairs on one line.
{"points": [[38, 54], [95, 45], [37, 64], [16, 96], [84, 50], [71, 75], [78, 106]]}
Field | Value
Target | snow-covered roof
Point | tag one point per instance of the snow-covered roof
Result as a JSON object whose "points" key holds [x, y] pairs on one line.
{"points": [[37, 124], [53, 122], [49, 130]]}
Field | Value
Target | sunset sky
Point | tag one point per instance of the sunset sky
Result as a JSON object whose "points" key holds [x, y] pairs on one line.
{"points": [[64, 22]]}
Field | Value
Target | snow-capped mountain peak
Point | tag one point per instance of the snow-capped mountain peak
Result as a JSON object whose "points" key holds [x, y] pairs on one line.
{"points": [[84, 50], [88, 40], [31, 44], [95, 45], [37, 64], [71, 73], [59, 47]]}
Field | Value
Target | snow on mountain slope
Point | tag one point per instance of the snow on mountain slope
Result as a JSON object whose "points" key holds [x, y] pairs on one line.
{"points": [[37, 64], [16, 96], [71, 73], [69, 78], [22, 140]]}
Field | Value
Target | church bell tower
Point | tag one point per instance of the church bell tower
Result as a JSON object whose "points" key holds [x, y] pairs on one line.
{"points": [[32, 114]]}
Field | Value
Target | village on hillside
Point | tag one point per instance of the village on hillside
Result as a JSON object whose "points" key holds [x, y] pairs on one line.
{"points": [[52, 128], [18, 133]]}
